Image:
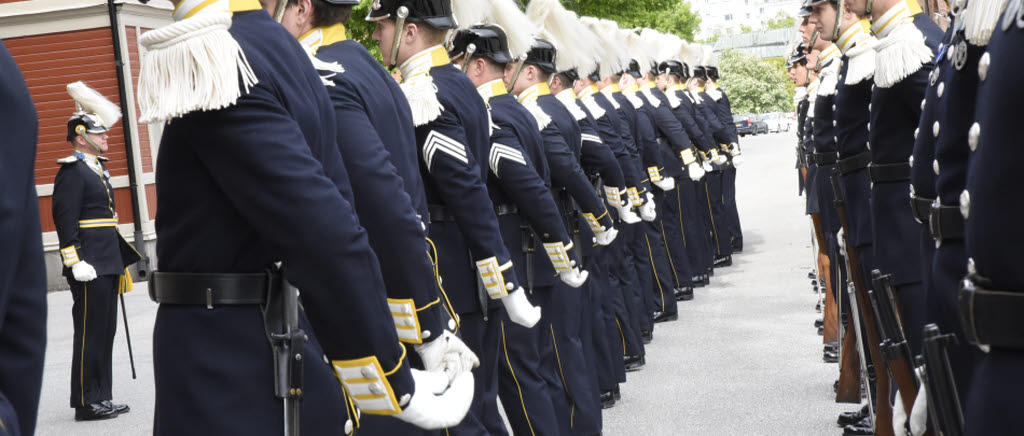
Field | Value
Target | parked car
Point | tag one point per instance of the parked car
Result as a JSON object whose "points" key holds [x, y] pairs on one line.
{"points": [[777, 121], [759, 125], [743, 125]]}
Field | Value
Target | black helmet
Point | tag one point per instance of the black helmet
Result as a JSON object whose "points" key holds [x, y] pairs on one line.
{"points": [[542, 54], [487, 40], [673, 67], [700, 72], [713, 73], [88, 122], [437, 13], [634, 69]]}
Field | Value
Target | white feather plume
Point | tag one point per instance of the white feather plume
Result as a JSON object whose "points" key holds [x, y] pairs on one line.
{"points": [[90, 101], [518, 28], [668, 47], [707, 55], [470, 12], [691, 54], [638, 49], [563, 30], [610, 54]]}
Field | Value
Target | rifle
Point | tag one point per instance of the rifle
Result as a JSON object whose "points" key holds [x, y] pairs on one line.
{"points": [[894, 346], [947, 416], [850, 370], [882, 407], [830, 315], [281, 320]]}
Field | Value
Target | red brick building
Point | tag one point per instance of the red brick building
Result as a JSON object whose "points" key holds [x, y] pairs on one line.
{"points": [[56, 42]]}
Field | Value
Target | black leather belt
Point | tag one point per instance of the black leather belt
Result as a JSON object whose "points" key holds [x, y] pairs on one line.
{"points": [[439, 213], [889, 173], [946, 222], [921, 207], [820, 159], [200, 289], [991, 317], [854, 163]]}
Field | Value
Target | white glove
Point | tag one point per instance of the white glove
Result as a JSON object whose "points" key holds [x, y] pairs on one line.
{"points": [[574, 277], [919, 415], [430, 410], [899, 415], [737, 160], [448, 355], [519, 309], [720, 159], [647, 211], [83, 272], [606, 237], [734, 149], [696, 171], [840, 235], [666, 184], [626, 214], [707, 167]]}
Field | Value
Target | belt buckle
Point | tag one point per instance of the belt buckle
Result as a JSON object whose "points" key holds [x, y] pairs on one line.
{"points": [[934, 221], [965, 298], [209, 299]]}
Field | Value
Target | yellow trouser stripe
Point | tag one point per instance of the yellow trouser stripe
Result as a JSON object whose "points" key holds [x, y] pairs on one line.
{"points": [[522, 401], [650, 254], [85, 311], [669, 253], [718, 248]]}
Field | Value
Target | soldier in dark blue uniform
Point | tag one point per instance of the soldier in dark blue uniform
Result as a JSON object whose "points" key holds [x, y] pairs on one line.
{"points": [[723, 108], [95, 255], [377, 145], [523, 144], [23, 294], [990, 301], [250, 176], [908, 41], [453, 136], [714, 161]]}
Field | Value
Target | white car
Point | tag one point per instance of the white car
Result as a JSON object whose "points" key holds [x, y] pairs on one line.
{"points": [[778, 122]]}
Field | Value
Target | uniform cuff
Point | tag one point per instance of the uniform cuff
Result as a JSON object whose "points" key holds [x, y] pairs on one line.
{"points": [[69, 255], [371, 388], [491, 274]]}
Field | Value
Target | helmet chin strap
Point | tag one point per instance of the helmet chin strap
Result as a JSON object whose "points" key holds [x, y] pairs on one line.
{"points": [[839, 19], [867, 7], [470, 49], [279, 12], [80, 130], [515, 74], [401, 15]]}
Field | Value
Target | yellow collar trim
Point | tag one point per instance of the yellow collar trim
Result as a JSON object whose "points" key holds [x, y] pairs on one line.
{"points": [[813, 87], [537, 90], [828, 54], [677, 87], [590, 90], [900, 14], [853, 35], [421, 63], [632, 89], [189, 8], [567, 92], [321, 36], [493, 88]]}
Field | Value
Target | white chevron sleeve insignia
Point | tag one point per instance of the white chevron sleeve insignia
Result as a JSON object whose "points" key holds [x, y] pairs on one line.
{"points": [[439, 142], [501, 151]]}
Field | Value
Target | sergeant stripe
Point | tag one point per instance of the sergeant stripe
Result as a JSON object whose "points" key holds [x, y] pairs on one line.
{"points": [[439, 142], [501, 151]]}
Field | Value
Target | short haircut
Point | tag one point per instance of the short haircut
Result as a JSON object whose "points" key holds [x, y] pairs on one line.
{"points": [[326, 14]]}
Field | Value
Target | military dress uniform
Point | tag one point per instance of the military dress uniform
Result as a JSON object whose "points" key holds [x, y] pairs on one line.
{"points": [[377, 144], [990, 300], [23, 294], [222, 229], [908, 40], [723, 108]]}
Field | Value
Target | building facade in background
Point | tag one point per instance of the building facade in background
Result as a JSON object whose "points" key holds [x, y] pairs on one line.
{"points": [[724, 17], [56, 42]]}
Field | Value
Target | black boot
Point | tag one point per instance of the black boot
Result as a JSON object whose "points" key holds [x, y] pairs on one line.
{"points": [[117, 408], [852, 418], [634, 363], [607, 399], [94, 412], [862, 428], [683, 294], [660, 316]]}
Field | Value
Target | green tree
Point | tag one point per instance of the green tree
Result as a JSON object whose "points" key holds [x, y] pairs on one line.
{"points": [[755, 85], [781, 21], [360, 29]]}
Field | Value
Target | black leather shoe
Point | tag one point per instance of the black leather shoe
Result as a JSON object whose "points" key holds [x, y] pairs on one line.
{"points": [[707, 278], [683, 294], [117, 408], [634, 363], [830, 347], [698, 281], [817, 307], [819, 322], [711, 272], [821, 331], [862, 428], [617, 393], [829, 357], [607, 399], [852, 418], [94, 412], [665, 317], [647, 336], [724, 261]]}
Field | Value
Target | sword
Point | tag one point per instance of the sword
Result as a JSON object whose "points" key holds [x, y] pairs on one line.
{"points": [[281, 320], [127, 335]]}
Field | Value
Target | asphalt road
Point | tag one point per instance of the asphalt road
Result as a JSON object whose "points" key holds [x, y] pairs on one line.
{"points": [[743, 359]]}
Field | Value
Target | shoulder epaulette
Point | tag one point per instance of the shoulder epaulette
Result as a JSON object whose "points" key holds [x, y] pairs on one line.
{"points": [[899, 55], [593, 107], [422, 96], [715, 94], [673, 99], [980, 18], [326, 70], [860, 62], [651, 98], [634, 100], [543, 119], [68, 160]]}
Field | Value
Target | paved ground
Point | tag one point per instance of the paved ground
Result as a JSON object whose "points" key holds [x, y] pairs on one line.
{"points": [[742, 360]]}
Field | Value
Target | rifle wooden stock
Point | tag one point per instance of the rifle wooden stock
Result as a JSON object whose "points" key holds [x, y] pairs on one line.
{"points": [[849, 371], [830, 315], [901, 370], [883, 407]]}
